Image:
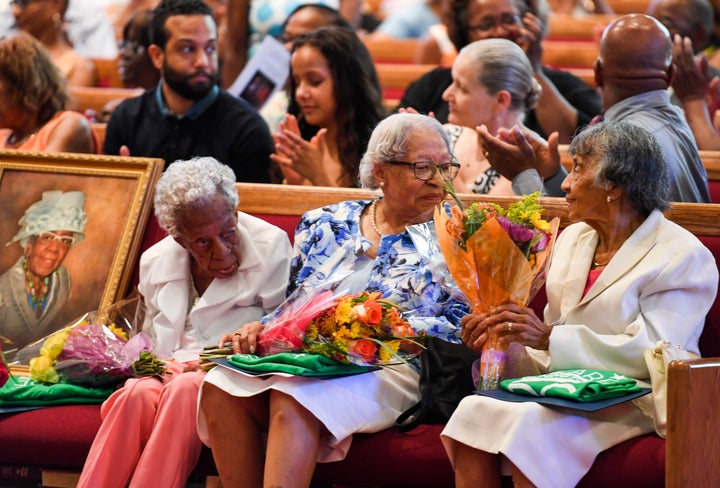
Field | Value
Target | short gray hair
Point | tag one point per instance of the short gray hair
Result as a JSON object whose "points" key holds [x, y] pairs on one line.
{"points": [[503, 65], [191, 182], [629, 158], [389, 141]]}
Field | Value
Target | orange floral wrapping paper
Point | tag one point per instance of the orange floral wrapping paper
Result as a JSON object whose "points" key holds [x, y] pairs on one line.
{"points": [[490, 268]]}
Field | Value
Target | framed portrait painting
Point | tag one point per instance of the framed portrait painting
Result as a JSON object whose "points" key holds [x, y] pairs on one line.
{"points": [[72, 227]]}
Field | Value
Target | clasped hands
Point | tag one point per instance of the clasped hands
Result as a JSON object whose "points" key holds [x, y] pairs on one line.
{"points": [[511, 322]]}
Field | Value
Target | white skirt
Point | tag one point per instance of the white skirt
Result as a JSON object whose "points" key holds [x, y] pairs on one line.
{"points": [[363, 403], [552, 446]]}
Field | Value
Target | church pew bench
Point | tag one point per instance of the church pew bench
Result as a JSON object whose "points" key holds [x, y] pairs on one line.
{"points": [[57, 439]]}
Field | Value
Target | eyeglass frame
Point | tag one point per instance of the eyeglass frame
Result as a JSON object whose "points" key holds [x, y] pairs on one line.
{"points": [[65, 241], [503, 20], [436, 168], [134, 47]]}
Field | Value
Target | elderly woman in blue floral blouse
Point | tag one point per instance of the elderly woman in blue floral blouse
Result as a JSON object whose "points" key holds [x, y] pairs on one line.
{"points": [[365, 245]]}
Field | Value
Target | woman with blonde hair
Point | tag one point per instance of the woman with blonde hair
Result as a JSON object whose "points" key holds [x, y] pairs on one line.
{"points": [[492, 85], [33, 99]]}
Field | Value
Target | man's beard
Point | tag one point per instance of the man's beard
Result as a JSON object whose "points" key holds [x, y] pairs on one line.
{"points": [[179, 83]]}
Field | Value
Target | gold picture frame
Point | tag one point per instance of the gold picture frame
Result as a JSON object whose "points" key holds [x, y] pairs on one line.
{"points": [[118, 201]]}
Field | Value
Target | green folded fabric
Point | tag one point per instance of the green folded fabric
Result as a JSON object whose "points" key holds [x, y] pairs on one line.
{"points": [[300, 364], [24, 391], [580, 385]]}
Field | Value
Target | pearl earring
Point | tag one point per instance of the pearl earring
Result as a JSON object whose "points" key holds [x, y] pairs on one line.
{"points": [[609, 199], [382, 183]]}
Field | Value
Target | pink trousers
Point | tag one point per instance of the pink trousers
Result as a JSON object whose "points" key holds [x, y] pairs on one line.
{"points": [[148, 437]]}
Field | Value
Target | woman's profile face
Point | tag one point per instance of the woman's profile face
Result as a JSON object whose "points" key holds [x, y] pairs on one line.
{"points": [[314, 86], [45, 252], [469, 102], [209, 233], [586, 202]]}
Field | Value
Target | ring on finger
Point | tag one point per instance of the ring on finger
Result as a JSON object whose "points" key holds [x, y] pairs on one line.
{"points": [[510, 326]]}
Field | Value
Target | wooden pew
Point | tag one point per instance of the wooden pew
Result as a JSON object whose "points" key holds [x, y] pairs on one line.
{"points": [[629, 6], [570, 54], [572, 28], [394, 78], [95, 98], [107, 75], [392, 50]]}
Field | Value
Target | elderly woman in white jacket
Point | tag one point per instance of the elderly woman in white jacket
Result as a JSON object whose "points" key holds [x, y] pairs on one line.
{"points": [[622, 278], [217, 268]]}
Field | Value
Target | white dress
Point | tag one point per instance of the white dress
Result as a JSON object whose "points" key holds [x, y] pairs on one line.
{"points": [[367, 402], [659, 285]]}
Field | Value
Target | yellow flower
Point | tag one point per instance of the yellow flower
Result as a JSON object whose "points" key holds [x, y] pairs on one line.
{"points": [[53, 345], [343, 312], [41, 369], [118, 332]]}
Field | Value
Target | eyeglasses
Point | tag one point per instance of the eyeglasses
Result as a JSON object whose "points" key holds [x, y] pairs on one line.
{"points": [[132, 47], [489, 23], [49, 237], [426, 171]]}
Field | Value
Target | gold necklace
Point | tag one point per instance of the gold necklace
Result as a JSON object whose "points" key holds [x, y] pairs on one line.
{"points": [[373, 210]]}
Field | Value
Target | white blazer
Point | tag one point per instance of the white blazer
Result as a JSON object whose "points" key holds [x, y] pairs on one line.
{"points": [[660, 285], [179, 329]]}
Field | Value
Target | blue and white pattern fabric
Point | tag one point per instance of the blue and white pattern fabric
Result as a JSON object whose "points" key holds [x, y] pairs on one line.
{"points": [[329, 244]]}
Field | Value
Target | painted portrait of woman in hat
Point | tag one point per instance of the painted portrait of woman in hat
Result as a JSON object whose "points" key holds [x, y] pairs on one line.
{"points": [[35, 289]]}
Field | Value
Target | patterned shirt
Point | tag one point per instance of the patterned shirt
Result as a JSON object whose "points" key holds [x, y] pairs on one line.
{"points": [[329, 249]]}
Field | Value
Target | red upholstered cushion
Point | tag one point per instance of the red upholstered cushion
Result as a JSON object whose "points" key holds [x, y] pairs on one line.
{"points": [[53, 437], [637, 463]]}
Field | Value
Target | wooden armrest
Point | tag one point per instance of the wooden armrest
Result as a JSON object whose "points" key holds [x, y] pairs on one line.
{"points": [[693, 448]]}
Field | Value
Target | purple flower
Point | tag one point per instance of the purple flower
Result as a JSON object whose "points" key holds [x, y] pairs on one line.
{"points": [[517, 232], [543, 240]]}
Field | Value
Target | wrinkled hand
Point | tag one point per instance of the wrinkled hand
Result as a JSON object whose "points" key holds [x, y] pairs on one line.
{"points": [[527, 329], [244, 339], [517, 149], [692, 78]]}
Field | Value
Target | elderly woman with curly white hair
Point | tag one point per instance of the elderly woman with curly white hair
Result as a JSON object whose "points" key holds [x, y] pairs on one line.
{"points": [[217, 268]]}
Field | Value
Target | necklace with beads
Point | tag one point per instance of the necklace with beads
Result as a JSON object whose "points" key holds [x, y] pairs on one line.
{"points": [[373, 211], [37, 297]]}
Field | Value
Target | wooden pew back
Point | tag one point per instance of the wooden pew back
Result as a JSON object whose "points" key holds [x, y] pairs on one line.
{"points": [[95, 98]]}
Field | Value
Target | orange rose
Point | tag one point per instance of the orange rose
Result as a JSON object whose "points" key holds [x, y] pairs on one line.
{"points": [[363, 349]]}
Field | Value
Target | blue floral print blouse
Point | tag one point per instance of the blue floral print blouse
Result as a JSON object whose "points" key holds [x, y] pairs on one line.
{"points": [[329, 246]]}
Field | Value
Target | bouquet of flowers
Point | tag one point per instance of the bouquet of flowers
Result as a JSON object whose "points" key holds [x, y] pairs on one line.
{"points": [[361, 329], [94, 351], [496, 256]]}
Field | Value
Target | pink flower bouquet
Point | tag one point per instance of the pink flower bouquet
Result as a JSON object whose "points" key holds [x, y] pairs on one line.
{"points": [[362, 329], [92, 352]]}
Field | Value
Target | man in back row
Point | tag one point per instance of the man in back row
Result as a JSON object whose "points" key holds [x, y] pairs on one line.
{"points": [[188, 115], [634, 71]]}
